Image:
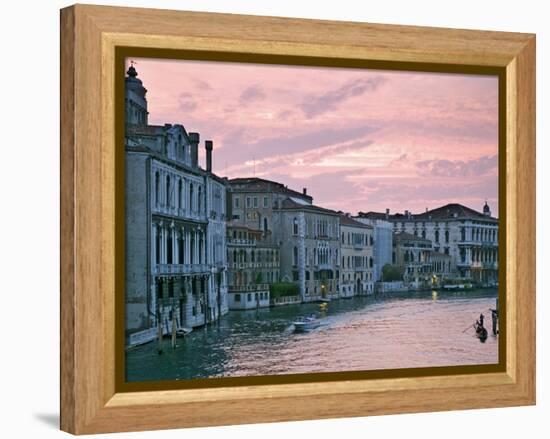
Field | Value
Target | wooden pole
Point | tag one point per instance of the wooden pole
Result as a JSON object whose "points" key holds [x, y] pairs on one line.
{"points": [[173, 328], [159, 333]]}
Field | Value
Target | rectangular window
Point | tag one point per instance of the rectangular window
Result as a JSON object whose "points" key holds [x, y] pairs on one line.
{"points": [[266, 202], [237, 297], [255, 202], [248, 202], [237, 202]]}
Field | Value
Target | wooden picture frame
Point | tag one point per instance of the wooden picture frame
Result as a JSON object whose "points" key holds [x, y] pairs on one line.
{"points": [[91, 399]]}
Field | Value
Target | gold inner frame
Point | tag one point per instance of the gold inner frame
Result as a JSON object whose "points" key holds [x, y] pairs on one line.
{"points": [[121, 53]]}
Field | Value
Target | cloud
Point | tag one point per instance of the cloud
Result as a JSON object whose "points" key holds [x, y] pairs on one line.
{"points": [[458, 168], [315, 105], [251, 94], [238, 150], [186, 102], [202, 84]]}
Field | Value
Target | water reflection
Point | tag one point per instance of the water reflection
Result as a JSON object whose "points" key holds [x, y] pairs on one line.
{"points": [[363, 333]]}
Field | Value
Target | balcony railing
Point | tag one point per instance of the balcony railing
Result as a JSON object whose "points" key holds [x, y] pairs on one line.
{"points": [[241, 241], [248, 288], [180, 268], [245, 265], [179, 212]]}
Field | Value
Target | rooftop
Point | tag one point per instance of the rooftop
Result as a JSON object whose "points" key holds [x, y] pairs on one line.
{"points": [[448, 211], [290, 204], [348, 221], [254, 184]]}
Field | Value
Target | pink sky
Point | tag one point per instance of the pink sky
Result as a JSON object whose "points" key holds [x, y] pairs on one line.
{"points": [[359, 140]]}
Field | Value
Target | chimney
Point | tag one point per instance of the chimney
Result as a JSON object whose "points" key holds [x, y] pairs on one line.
{"points": [[208, 146], [194, 140], [304, 191], [387, 213]]}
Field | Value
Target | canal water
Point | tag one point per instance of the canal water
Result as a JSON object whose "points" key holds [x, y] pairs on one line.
{"points": [[398, 330]]}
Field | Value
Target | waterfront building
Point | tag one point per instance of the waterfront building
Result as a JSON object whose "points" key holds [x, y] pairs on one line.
{"points": [[175, 225], [309, 240], [253, 264], [383, 242], [357, 260], [412, 254], [468, 236], [251, 202]]}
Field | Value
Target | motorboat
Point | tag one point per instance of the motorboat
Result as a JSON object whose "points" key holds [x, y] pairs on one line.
{"points": [[306, 324]]}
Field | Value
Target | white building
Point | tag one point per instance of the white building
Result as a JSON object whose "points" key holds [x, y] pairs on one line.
{"points": [[357, 263], [468, 236], [383, 242]]}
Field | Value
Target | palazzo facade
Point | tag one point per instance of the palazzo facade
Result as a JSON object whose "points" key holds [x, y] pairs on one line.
{"points": [[176, 266]]}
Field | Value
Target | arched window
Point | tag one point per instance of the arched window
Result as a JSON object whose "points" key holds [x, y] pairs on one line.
{"points": [[437, 236], [235, 256], [169, 249], [157, 187], [371, 263], [191, 197], [181, 247], [253, 257], [446, 236], [295, 256], [180, 194], [168, 201], [295, 226], [157, 245], [265, 224], [199, 203]]}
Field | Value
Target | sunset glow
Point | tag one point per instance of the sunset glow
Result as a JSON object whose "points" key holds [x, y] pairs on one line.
{"points": [[358, 140]]}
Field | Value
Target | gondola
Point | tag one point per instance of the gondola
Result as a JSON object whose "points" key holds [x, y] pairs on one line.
{"points": [[481, 332]]}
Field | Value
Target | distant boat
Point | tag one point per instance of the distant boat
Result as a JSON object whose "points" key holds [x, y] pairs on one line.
{"points": [[324, 300], [306, 324]]}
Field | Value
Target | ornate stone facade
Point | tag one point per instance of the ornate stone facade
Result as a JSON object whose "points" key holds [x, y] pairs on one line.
{"points": [[175, 224], [357, 263], [468, 236]]}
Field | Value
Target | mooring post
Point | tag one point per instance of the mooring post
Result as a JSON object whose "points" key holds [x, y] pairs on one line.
{"points": [[173, 328], [159, 332]]}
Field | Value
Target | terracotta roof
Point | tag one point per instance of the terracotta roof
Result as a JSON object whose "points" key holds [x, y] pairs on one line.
{"points": [[263, 185], [289, 204], [347, 221], [448, 211]]}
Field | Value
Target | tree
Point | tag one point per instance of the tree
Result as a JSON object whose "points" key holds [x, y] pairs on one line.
{"points": [[392, 273]]}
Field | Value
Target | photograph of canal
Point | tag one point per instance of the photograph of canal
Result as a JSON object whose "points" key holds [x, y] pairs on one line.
{"points": [[303, 220]]}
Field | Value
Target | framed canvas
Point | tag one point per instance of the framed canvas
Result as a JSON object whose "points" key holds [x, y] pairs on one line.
{"points": [[364, 195]]}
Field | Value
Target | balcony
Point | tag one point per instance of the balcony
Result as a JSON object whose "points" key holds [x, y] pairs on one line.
{"points": [[247, 242], [179, 213], [248, 288], [325, 266], [163, 269]]}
